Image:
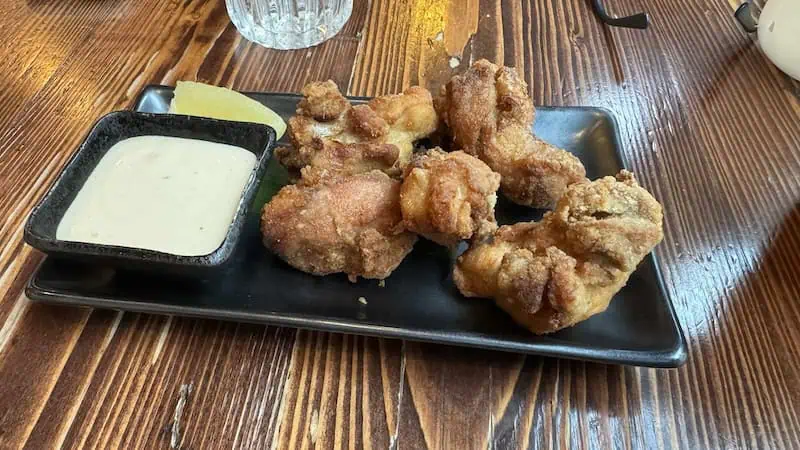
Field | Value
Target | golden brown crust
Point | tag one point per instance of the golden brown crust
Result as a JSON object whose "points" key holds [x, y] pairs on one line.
{"points": [[322, 101], [489, 115], [346, 224], [332, 159], [551, 274], [448, 197], [366, 124], [325, 114], [534, 173]]}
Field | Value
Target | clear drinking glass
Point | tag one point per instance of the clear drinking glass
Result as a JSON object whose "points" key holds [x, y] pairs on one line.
{"points": [[288, 24]]}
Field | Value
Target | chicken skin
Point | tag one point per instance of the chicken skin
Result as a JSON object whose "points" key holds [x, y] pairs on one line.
{"points": [[554, 273], [334, 159], [448, 197], [325, 114], [489, 115], [350, 224]]}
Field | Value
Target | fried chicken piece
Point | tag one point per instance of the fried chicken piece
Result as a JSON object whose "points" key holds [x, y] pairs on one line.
{"points": [[349, 224], [333, 159], [448, 197], [489, 115], [327, 115], [552, 274], [322, 101]]}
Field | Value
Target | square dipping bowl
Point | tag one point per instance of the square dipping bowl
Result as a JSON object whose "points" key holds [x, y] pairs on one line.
{"points": [[40, 230]]}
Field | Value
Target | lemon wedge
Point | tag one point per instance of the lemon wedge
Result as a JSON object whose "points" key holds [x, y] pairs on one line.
{"points": [[199, 99]]}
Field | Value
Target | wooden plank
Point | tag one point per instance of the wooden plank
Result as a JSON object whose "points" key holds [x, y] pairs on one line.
{"points": [[28, 380]]}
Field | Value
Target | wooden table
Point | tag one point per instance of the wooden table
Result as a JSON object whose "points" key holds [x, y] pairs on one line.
{"points": [[711, 128]]}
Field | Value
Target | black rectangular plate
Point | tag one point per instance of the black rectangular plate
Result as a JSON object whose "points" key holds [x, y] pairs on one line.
{"points": [[419, 300]]}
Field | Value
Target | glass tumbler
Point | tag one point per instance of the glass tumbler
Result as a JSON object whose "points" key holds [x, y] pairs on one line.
{"points": [[289, 24]]}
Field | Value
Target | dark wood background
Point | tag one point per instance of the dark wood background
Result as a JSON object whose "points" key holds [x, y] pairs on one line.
{"points": [[711, 128]]}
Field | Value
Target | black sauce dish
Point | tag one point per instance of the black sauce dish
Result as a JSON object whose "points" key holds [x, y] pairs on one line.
{"points": [[40, 230]]}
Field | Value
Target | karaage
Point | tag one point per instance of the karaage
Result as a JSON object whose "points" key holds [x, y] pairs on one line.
{"points": [[489, 114], [349, 224], [551, 274], [325, 114], [333, 159], [448, 197]]}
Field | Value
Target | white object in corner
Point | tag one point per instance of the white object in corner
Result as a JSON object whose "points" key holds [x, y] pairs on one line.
{"points": [[779, 34]]}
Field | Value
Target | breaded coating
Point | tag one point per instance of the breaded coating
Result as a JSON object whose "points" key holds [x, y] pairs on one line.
{"points": [[552, 274], [333, 159], [327, 115], [349, 224], [322, 101], [489, 115], [448, 197]]}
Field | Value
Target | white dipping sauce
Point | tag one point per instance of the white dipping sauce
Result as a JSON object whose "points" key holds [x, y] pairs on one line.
{"points": [[161, 193]]}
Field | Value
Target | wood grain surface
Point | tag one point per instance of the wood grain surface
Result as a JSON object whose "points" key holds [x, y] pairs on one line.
{"points": [[708, 125]]}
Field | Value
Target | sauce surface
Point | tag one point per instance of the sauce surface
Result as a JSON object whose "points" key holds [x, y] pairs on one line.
{"points": [[161, 193]]}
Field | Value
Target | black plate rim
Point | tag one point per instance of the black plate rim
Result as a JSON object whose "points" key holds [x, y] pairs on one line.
{"points": [[663, 359], [597, 109]]}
